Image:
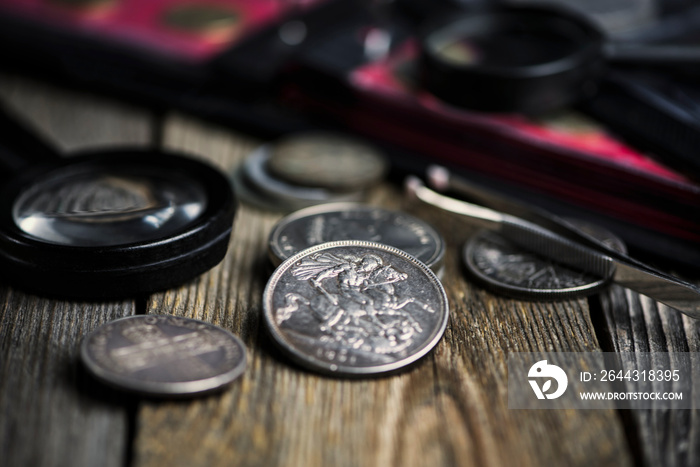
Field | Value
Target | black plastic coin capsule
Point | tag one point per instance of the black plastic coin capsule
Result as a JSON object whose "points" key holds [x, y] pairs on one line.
{"points": [[107, 224]]}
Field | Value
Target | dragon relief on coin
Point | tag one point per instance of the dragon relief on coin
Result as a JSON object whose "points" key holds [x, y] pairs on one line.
{"points": [[353, 303]]}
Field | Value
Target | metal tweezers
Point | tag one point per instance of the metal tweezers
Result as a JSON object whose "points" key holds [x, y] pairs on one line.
{"points": [[545, 234]]}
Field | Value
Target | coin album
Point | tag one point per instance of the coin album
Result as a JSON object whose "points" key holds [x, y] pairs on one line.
{"points": [[320, 74]]}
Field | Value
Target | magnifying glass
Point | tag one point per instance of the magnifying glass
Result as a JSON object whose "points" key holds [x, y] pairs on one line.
{"points": [[106, 224], [528, 59]]}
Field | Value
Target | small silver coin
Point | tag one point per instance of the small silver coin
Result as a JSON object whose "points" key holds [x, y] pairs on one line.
{"points": [[348, 221], [507, 268], [327, 160], [275, 194], [355, 308], [162, 355]]}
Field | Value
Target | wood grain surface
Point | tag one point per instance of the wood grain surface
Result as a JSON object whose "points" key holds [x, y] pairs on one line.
{"points": [[51, 412], [635, 323], [448, 409]]}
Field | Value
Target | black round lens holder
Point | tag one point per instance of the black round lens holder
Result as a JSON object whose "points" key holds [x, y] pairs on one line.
{"points": [[122, 270]]}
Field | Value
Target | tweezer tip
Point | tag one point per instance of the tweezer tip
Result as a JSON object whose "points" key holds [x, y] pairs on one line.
{"points": [[412, 184], [438, 177]]}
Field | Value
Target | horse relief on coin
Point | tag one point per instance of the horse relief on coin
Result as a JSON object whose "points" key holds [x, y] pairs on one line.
{"points": [[163, 355], [351, 221], [355, 308]]}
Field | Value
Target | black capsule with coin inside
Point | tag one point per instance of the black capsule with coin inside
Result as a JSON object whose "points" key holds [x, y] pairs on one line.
{"points": [[107, 224]]}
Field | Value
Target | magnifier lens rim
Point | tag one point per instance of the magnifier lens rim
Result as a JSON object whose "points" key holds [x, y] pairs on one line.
{"points": [[550, 19], [530, 89], [76, 173], [123, 269]]}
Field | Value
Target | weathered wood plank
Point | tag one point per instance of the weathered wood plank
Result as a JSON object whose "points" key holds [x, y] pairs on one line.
{"points": [[53, 414], [473, 373], [635, 323], [450, 409]]}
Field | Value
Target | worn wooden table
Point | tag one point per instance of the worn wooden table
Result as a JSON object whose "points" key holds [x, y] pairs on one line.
{"points": [[450, 409]]}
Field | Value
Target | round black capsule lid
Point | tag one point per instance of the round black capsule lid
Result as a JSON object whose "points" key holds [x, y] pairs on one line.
{"points": [[109, 224]]}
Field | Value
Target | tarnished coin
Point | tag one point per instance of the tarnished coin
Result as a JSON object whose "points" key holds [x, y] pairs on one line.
{"points": [[507, 268], [162, 355], [327, 160], [348, 221], [272, 193], [355, 308]]}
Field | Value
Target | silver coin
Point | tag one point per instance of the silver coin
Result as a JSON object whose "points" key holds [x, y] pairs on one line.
{"points": [[280, 195], [355, 308], [348, 221], [162, 355], [509, 269], [327, 160]]}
